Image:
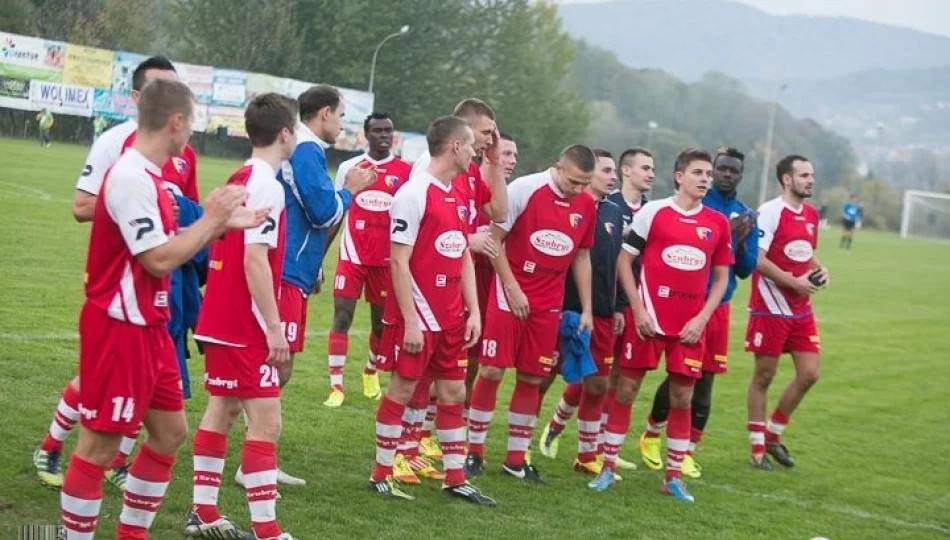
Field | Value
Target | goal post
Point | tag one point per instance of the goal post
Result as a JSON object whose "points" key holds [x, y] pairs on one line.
{"points": [[926, 214]]}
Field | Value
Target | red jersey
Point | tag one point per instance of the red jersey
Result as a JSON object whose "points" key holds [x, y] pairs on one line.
{"points": [[545, 230], [365, 238], [180, 173], [678, 250], [134, 215], [470, 184], [228, 314], [789, 238], [431, 217]]}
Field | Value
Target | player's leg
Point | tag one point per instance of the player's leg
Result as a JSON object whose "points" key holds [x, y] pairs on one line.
{"points": [[47, 459], [119, 468], [766, 338], [566, 407], [371, 386], [428, 440], [210, 447], [700, 407], [678, 431], [650, 439], [81, 495], [625, 390], [411, 464], [259, 463], [592, 399], [338, 347]]}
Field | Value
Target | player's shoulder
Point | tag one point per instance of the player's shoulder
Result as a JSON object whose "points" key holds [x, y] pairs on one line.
{"points": [[131, 172], [654, 206], [530, 182], [353, 161], [117, 137], [416, 188], [772, 208]]}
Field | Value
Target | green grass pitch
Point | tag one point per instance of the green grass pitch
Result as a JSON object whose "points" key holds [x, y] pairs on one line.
{"points": [[872, 438]]}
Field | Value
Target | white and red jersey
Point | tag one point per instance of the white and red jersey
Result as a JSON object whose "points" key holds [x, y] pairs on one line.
{"points": [[678, 250], [229, 315], [432, 218], [180, 173], [789, 237], [134, 215], [470, 184], [545, 229], [365, 238]]}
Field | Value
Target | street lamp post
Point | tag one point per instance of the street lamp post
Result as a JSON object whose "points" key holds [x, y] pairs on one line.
{"points": [[652, 125], [764, 180], [372, 70]]}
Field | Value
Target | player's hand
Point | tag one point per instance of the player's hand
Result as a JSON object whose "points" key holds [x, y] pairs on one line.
{"points": [[473, 330], [482, 243], [247, 218], [412, 339], [619, 323], [319, 283], [693, 330], [220, 203], [358, 178], [493, 151], [644, 325], [824, 277], [518, 302], [277, 347], [741, 226], [586, 323], [802, 286]]}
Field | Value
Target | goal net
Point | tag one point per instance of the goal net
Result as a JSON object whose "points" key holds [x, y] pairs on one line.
{"points": [[926, 214]]}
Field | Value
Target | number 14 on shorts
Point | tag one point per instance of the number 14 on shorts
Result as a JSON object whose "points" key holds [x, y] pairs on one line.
{"points": [[123, 409]]}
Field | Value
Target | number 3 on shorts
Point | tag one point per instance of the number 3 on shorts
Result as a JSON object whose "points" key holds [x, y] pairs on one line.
{"points": [[269, 378]]}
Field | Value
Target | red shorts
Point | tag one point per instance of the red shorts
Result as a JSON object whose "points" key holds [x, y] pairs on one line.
{"points": [[239, 372], [442, 356], [350, 280], [681, 358], [483, 280], [716, 348], [124, 370], [292, 308], [771, 336], [527, 346], [623, 348], [602, 344]]}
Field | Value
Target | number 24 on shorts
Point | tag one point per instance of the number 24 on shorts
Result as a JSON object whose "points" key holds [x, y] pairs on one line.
{"points": [[269, 376]]}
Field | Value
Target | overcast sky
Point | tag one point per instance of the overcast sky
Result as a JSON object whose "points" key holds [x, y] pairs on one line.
{"points": [[927, 15]]}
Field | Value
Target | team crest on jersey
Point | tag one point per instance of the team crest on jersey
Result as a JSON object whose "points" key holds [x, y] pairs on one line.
{"points": [[576, 220], [179, 164], [471, 182], [704, 233], [463, 213], [610, 228], [810, 227], [391, 180]]}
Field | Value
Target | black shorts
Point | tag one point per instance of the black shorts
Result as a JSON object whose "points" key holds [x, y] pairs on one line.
{"points": [[847, 224]]}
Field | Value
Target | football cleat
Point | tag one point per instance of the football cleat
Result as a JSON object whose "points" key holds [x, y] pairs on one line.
{"points": [[780, 452], [604, 481], [591, 468], [290, 480], [469, 493], [371, 387], [690, 468], [474, 466], [763, 463], [223, 528], [47, 468], [402, 472], [388, 487], [650, 452], [526, 472], [423, 468], [677, 489], [335, 401], [430, 448], [283, 536], [624, 464], [549, 442], [118, 476]]}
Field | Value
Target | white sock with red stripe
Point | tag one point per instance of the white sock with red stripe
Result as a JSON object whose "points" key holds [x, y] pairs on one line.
{"points": [[390, 418], [451, 431], [588, 426], [480, 413], [81, 498], [337, 346], [259, 463], [615, 431], [370, 367], [522, 416], [677, 441], [144, 491], [566, 407], [428, 424], [64, 420], [210, 449], [126, 446]]}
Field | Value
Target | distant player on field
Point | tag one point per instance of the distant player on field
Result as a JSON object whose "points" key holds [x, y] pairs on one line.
{"points": [[682, 245], [727, 174], [364, 254], [180, 177], [851, 214], [244, 342], [126, 357], [427, 327], [780, 313], [550, 229]]}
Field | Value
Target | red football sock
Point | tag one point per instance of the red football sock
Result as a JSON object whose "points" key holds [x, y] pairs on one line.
{"points": [[451, 429], [522, 415], [388, 432], [775, 427], [210, 449], [677, 440], [615, 431], [144, 491], [484, 397], [695, 436], [588, 426], [125, 448], [370, 367], [604, 408], [337, 345], [81, 496], [757, 438], [259, 464], [566, 407], [654, 428], [64, 420]]}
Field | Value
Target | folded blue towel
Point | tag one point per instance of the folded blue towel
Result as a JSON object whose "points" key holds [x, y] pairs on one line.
{"points": [[576, 360]]}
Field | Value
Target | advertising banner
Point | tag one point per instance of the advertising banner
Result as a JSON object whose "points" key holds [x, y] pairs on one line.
{"points": [[61, 98], [200, 123], [230, 117], [123, 66], [199, 78], [229, 87], [259, 83], [26, 58], [359, 105], [88, 66], [112, 105], [14, 93]]}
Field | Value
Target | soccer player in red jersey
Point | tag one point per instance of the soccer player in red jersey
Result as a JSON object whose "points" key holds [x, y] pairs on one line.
{"points": [[180, 175], [364, 253], [244, 341], [126, 358], [550, 228], [427, 327], [781, 319], [680, 243]]}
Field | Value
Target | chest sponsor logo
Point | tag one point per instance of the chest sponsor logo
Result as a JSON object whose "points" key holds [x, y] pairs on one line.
{"points": [[374, 201], [553, 243], [682, 257], [576, 220], [799, 250], [450, 244], [704, 233]]}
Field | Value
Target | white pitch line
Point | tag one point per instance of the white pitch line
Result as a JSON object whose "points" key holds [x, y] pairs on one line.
{"points": [[35, 193], [844, 510]]}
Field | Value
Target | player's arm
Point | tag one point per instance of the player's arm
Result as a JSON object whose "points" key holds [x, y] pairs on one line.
{"points": [[260, 279], [402, 282], [748, 255], [103, 155], [693, 329], [473, 326], [323, 205], [517, 301], [628, 283], [581, 269], [407, 210]]}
